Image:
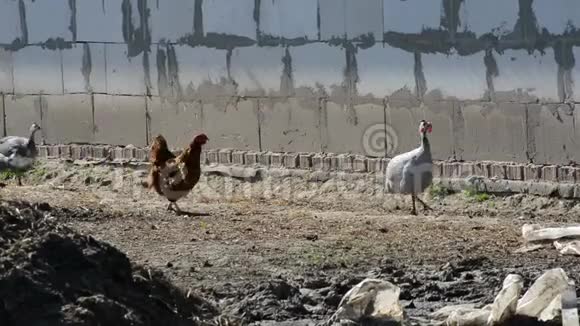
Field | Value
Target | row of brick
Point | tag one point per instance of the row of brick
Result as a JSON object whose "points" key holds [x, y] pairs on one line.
{"points": [[326, 162]]}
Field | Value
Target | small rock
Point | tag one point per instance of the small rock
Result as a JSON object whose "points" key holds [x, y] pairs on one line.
{"points": [[154, 227], [312, 237], [383, 230], [43, 206], [207, 264], [169, 265]]}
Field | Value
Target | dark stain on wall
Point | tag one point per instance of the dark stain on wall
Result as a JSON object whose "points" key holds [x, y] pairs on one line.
{"points": [[564, 56], [257, 4], [173, 73], [450, 16], [162, 84], [491, 71], [87, 66], [147, 72], [168, 74], [420, 81], [138, 39], [287, 79], [351, 78], [73, 19], [21, 41], [198, 31]]}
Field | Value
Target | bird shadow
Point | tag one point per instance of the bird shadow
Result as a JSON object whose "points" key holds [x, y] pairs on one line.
{"points": [[191, 214]]}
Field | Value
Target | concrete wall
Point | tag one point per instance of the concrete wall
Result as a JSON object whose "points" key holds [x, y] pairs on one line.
{"points": [[496, 77]]}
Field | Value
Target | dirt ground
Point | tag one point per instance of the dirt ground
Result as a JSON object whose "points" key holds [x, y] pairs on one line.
{"points": [[266, 256]]}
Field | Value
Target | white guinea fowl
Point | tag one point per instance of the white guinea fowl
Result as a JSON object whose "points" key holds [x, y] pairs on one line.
{"points": [[18, 153], [412, 172]]}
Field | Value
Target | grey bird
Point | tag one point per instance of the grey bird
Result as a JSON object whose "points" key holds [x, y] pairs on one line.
{"points": [[412, 172], [18, 153]]}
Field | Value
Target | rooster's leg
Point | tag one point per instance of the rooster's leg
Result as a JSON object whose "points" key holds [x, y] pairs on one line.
{"points": [[414, 211], [425, 206], [177, 209]]}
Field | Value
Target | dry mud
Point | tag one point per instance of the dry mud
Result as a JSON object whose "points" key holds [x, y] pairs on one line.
{"points": [[259, 252]]}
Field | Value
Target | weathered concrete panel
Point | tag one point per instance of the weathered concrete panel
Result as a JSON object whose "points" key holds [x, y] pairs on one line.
{"points": [[553, 134], [257, 69], [9, 21], [6, 71], [576, 74], [229, 17], [340, 133], [364, 18], [491, 16], [171, 20], [289, 19], [403, 116], [84, 68], [120, 120], [67, 118], [124, 75], [47, 19], [2, 114], [37, 70], [411, 16], [383, 70], [291, 126], [332, 19], [493, 132], [20, 113], [523, 77], [233, 126], [557, 16], [463, 77], [195, 67], [317, 66], [105, 14], [445, 129], [176, 122]]}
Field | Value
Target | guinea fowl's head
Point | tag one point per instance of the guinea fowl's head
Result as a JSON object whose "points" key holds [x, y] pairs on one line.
{"points": [[425, 127], [200, 140], [34, 127]]}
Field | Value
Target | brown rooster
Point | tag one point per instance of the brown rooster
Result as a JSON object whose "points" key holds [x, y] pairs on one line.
{"points": [[174, 177], [158, 156]]}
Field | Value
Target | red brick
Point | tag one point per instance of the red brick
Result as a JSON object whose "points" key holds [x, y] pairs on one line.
{"points": [[276, 160], [225, 156], [532, 172], [515, 172], [305, 161], [239, 157], [550, 173], [360, 164], [566, 174], [290, 161]]}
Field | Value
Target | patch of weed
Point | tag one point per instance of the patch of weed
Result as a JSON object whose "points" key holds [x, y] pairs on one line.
{"points": [[473, 194], [438, 190]]}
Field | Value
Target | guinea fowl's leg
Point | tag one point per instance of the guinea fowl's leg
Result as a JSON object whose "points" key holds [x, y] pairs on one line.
{"points": [[19, 181], [414, 211], [425, 206], [170, 206]]}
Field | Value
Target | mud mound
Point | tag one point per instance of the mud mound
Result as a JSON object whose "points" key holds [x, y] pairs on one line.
{"points": [[50, 275]]}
